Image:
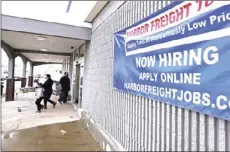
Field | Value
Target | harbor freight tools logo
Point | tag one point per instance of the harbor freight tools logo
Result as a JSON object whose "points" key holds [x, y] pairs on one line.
{"points": [[178, 55]]}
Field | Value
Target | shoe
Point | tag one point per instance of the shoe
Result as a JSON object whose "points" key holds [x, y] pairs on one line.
{"points": [[38, 111], [54, 105], [60, 102], [42, 107], [45, 108]]}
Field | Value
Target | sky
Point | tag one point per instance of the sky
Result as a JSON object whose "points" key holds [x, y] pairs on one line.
{"points": [[52, 11]]}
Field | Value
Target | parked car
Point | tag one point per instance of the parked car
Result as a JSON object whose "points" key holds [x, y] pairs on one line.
{"points": [[36, 80], [38, 76], [17, 78], [5, 75]]}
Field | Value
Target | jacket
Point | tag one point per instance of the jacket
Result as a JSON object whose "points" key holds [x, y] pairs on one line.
{"points": [[48, 86], [39, 92], [65, 83]]}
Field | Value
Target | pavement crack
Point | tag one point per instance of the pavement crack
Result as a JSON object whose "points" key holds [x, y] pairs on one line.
{"points": [[8, 132]]}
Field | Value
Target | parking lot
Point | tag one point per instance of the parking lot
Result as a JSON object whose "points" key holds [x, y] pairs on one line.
{"points": [[17, 87]]}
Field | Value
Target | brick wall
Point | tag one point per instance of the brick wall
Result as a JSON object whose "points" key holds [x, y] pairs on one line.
{"points": [[135, 122]]}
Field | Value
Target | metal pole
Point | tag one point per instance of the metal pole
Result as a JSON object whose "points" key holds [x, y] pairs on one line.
{"points": [[68, 7]]}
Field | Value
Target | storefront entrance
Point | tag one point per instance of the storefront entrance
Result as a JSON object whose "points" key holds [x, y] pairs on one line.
{"points": [[78, 84]]}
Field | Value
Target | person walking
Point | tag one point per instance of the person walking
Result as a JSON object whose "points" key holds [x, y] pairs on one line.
{"points": [[39, 97], [65, 88], [2, 86], [48, 91]]}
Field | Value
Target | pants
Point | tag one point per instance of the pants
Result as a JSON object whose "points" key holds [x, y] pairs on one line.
{"points": [[63, 96], [38, 103], [47, 99]]}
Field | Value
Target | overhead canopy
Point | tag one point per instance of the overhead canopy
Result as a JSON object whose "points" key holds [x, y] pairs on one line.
{"points": [[42, 41]]}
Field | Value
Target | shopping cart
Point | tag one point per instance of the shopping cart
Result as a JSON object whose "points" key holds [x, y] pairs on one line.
{"points": [[56, 88]]}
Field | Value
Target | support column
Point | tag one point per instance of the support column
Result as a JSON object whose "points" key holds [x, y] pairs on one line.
{"points": [[30, 79], [72, 75], [64, 67], [23, 83], [10, 80], [68, 64], [71, 67]]}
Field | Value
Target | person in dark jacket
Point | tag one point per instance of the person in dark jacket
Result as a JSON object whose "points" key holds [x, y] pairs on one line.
{"points": [[48, 91], [65, 88], [2, 86]]}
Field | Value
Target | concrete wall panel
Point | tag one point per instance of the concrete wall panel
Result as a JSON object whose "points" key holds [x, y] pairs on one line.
{"points": [[135, 122]]}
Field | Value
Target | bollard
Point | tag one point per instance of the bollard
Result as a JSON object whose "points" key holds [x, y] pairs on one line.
{"points": [[19, 109]]}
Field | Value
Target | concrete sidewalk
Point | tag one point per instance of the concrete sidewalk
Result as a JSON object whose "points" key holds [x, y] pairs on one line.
{"points": [[68, 136], [56, 129], [13, 120]]}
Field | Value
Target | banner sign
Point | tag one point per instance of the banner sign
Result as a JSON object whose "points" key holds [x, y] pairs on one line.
{"points": [[179, 55]]}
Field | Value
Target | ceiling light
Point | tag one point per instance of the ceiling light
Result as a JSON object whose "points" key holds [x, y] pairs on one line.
{"points": [[44, 49], [41, 38]]}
